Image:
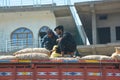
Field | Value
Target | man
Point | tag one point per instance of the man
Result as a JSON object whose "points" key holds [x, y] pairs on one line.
{"points": [[49, 40], [59, 31], [66, 42]]}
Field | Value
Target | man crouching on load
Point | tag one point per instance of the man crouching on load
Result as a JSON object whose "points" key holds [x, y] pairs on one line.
{"points": [[66, 42]]}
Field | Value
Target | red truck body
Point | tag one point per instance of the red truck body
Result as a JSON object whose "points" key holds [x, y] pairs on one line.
{"points": [[59, 70]]}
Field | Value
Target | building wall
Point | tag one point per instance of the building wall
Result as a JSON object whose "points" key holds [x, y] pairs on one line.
{"points": [[67, 22], [34, 20], [70, 26], [112, 21]]}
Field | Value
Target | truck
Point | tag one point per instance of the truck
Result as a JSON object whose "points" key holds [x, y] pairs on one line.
{"points": [[59, 69]]}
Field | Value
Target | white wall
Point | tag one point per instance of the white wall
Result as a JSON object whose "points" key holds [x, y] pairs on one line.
{"points": [[67, 22], [33, 20]]}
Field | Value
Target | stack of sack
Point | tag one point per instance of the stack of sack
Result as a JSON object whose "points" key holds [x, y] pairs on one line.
{"points": [[116, 54], [33, 53], [44, 54]]}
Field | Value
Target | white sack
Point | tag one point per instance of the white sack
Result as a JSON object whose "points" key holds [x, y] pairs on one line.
{"points": [[96, 57], [31, 56], [32, 50], [115, 56], [7, 57]]}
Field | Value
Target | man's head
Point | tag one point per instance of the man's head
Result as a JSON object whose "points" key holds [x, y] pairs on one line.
{"points": [[59, 29], [50, 33]]}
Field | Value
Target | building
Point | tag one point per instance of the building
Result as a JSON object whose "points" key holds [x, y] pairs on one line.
{"points": [[23, 26], [100, 20]]}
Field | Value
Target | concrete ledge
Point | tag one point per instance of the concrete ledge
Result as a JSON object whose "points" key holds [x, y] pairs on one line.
{"points": [[101, 49]]}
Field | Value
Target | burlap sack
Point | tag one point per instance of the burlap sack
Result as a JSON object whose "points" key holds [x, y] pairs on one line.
{"points": [[105, 58], [115, 56], [33, 50], [7, 57], [33, 56], [96, 57], [63, 58], [117, 50]]}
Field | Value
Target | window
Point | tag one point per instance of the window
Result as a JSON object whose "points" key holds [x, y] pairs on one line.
{"points": [[103, 17], [117, 33], [43, 31], [22, 37]]}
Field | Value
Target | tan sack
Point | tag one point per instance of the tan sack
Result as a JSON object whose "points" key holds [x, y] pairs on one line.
{"points": [[31, 56], [117, 50], [7, 57], [63, 58], [96, 57], [115, 56], [32, 50], [105, 58]]}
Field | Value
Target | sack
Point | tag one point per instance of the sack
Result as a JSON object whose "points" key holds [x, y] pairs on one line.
{"points": [[33, 50], [7, 57], [63, 58], [117, 50], [115, 56], [96, 57], [54, 55], [33, 56]]}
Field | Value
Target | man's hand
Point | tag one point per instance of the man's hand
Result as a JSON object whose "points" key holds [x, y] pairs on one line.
{"points": [[58, 40]]}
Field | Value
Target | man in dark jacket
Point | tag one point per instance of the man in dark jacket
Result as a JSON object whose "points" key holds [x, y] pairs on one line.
{"points": [[59, 30], [49, 40], [66, 42]]}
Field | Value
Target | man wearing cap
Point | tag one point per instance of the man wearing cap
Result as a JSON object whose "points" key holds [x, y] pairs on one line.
{"points": [[59, 30], [66, 42]]}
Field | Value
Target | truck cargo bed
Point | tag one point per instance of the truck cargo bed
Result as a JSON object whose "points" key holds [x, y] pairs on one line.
{"points": [[59, 70]]}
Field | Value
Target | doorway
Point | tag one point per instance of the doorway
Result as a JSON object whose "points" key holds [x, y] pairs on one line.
{"points": [[103, 35]]}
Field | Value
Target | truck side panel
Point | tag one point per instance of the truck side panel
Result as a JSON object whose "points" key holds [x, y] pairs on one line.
{"points": [[59, 71]]}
